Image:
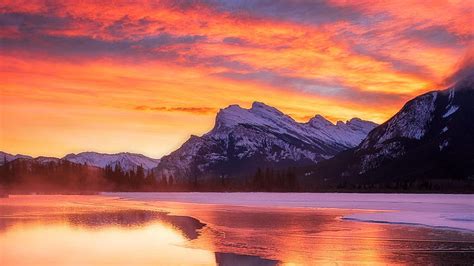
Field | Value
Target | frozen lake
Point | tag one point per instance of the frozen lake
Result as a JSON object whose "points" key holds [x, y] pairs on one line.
{"points": [[436, 210], [236, 229]]}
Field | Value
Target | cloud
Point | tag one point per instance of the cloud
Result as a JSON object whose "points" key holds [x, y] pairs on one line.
{"points": [[464, 70], [303, 11], [32, 39], [368, 53], [331, 89], [436, 35], [192, 110], [235, 41]]}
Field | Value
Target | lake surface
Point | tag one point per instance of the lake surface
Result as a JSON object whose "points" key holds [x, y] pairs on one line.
{"points": [[117, 229]]}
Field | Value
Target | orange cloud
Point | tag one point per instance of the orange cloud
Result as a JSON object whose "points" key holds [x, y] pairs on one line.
{"points": [[193, 110]]}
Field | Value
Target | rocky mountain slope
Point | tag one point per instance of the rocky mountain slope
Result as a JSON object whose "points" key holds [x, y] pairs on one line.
{"points": [[243, 139], [431, 137]]}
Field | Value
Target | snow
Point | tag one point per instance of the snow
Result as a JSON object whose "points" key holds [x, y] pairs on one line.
{"points": [[348, 134], [412, 120], [443, 145], [44, 159], [451, 94], [445, 211], [10, 157], [266, 132], [128, 161], [451, 111]]}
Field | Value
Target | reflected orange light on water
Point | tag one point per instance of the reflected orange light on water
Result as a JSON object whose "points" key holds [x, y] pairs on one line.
{"points": [[293, 237], [63, 244], [100, 230]]}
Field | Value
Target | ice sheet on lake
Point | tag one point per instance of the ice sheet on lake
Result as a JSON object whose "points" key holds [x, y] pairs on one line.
{"points": [[437, 210]]}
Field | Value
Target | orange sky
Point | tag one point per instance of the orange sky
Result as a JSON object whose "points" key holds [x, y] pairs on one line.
{"points": [[142, 77]]}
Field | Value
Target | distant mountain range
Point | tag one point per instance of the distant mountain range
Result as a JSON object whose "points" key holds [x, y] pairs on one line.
{"points": [[244, 139], [430, 138], [128, 161], [10, 157]]}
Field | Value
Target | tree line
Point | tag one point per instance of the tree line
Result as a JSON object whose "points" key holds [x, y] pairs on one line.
{"points": [[276, 180], [61, 176], [30, 175], [24, 175]]}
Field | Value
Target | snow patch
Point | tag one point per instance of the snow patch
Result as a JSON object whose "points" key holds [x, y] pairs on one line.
{"points": [[443, 145], [451, 111]]}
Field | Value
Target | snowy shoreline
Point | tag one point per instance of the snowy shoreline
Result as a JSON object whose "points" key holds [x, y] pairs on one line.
{"points": [[441, 211]]}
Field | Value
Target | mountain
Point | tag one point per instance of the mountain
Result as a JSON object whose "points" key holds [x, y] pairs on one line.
{"points": [[10, 157], [128, 161], [244, 139], [429, 140]]}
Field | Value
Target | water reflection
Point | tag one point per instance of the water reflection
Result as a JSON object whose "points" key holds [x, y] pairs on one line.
{"points": [[236, 259], [97, 231], [123, 237], [46, 235], [187, 226], [315, 237]]}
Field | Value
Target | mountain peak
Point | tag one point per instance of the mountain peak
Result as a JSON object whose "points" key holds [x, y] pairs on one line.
{"points": [[258, 114], [229, 116], [260, 108], [360, 123], [126, 159], [319, 120], [243, 138], [257, 104]]}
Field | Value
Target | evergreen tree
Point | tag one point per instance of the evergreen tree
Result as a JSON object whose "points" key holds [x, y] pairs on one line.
{"points": [[258, 181], [164, 182]]}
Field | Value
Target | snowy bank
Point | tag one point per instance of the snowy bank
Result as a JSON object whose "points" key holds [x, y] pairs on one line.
{"points": [[435, 210]]}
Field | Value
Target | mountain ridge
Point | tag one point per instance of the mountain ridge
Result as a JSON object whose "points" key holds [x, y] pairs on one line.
{"points": [[429, 141], [128, 160], [242, 138]]}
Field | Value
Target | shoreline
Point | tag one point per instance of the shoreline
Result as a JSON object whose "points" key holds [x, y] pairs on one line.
{"points": [[437, 211]]}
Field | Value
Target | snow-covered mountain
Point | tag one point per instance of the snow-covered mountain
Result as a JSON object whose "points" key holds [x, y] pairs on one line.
{"points": [[128, 161], [243, 139], [10, 157], [45, 159], [432, 136]]}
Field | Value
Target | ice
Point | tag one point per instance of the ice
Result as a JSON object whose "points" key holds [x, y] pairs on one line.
{"points": [[434, 210]]}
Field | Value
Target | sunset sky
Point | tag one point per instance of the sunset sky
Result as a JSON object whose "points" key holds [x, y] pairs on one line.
{"points": [[142, 76]]}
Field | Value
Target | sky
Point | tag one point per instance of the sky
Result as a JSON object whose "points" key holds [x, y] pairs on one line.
{"points": [[142, 76]]}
